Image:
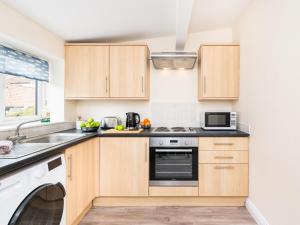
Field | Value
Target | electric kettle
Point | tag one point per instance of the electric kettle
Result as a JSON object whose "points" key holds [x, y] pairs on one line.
{"points": [[132, 120]]}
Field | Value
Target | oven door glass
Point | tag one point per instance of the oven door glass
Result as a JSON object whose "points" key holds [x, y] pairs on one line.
{"points": [[221, 119], [173, 164], [44, 205]]}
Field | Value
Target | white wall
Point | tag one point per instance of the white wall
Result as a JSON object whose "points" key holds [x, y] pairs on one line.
{"points": [[269, 35], [22, 33], [173, 95]]}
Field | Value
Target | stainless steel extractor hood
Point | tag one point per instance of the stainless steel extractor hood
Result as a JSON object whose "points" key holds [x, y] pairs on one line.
{"points": [[174, 60]]}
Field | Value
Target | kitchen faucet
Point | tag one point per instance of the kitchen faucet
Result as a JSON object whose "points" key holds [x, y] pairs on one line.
{"points": [[17, 137]]}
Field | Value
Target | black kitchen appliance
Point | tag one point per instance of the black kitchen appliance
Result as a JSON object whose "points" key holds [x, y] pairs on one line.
{"points": [[173, 161], [132, 120]]}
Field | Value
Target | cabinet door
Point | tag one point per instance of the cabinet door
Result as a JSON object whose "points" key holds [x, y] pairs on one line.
{"points": [[87, 72], [124, 166], [82, 163], [128, 72], [223, 179], [219, 72]]}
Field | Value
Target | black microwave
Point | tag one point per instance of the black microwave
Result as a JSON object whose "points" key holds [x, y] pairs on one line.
{"points": [[219, 121]]}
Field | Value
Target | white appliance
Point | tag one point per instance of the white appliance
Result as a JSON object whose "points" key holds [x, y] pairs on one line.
{"points": [[35, 195], [219, 121]]}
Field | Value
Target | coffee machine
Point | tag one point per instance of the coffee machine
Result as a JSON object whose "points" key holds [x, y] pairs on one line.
{"points": [[132, 120]]}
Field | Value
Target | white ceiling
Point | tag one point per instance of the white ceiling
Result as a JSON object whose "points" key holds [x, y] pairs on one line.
{"points": [[120, 20]]}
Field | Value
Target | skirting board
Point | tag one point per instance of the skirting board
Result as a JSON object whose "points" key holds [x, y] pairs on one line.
{"points": [[169, 201], [255, 213]]}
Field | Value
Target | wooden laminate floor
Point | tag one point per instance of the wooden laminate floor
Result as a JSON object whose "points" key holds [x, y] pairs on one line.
{"points": [[168, 215]]}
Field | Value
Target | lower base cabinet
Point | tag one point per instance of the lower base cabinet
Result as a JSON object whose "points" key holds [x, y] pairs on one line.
{"points": [[116, 170], [223, 166], [223, 179], [124, 166], [82, 162]]}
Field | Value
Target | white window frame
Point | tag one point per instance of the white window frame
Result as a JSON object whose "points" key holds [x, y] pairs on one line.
{"points": [[11, 120]]}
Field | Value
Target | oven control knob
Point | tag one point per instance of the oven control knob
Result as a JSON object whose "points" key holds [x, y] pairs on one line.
{"points": [[161, 143], [186, 143]]}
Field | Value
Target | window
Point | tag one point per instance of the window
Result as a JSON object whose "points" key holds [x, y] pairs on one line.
{"points": [[22, 97], [23, 85]]}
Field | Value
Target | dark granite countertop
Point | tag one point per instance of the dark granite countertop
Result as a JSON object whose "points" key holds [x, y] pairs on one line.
{"points": [[10, 165], [199, 133]]}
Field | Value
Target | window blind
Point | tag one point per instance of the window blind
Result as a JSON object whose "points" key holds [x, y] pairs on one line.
{"points": [[17, 63]]}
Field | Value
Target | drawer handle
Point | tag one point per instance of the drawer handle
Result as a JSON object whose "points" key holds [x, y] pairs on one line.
{"points": [[224, 157], [223, 143], [224, 167]]}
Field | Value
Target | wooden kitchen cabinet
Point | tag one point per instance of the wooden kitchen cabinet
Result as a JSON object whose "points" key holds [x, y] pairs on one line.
{"points": [[82, 162], [219, 72], [107, 71], [223, 166], [124, 166], [87, 71], [223, 179], [129, 72]]}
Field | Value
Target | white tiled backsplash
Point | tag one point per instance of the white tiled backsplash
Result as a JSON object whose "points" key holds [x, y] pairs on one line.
{"points": [[161, 113], [174, 114]]}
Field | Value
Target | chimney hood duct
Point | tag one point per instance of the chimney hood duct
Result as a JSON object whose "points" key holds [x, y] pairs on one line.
{"points": [[174, 60]]}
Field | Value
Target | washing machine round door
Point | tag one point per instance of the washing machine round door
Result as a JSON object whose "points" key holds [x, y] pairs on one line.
{"points": [[44, 205]]}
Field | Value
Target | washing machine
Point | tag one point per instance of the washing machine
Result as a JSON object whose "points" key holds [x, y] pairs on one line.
{"points": [[35, 195]]}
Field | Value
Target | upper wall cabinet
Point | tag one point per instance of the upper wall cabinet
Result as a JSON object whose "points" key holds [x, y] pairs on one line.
{"points": [[219, 72], [87, 72], [129, 72], [107, 71]]}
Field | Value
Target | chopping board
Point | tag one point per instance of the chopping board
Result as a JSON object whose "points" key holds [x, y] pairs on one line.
{"points": [[114, 131]]}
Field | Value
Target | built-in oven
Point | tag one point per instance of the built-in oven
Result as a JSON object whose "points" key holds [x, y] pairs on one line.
{"points": [[173, 161]]}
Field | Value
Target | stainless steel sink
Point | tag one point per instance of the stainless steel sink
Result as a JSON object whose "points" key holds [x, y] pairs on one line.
{"points": [[54, 138], [36, 144], [24, 149]]}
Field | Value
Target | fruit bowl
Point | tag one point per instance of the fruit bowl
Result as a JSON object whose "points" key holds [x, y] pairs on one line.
{"points": [[89, 129], [148, 126], [145, 123], [90, 125]]}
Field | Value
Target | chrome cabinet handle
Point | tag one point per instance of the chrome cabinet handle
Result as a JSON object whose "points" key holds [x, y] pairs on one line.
{"points": [[223, 157], [70, 167], [146, 152], [142, 84], [204, 85], [223, 143], [106, 89], [223, 167]]}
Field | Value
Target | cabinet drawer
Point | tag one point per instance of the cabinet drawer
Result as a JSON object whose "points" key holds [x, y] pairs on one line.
{"points": [[223, 143], [223, 156], [223, 179], [173, 191]]}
